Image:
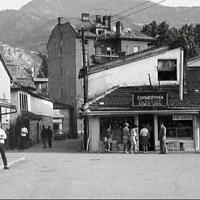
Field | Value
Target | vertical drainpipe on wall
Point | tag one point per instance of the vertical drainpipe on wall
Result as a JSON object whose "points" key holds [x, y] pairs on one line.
{"points": [[181, 75]]}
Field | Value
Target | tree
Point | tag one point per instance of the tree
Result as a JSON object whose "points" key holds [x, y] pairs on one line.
{"points": [[43, 71]]}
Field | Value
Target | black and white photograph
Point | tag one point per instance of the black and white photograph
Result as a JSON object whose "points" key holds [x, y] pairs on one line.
{"points": [[100, 99]]}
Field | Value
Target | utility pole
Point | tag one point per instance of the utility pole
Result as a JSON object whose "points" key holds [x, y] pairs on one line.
{"points": [[85, 86]]}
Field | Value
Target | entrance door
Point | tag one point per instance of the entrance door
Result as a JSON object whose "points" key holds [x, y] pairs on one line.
{"points": [[148, 120]]}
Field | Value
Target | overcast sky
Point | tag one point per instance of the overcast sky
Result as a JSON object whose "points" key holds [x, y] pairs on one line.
{"points": [[16, 4]]}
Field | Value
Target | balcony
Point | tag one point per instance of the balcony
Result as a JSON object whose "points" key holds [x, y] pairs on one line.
{"points": [[102, 58]]}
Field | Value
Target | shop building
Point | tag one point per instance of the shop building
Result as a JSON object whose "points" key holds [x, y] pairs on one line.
{"points": [[146, 88]]}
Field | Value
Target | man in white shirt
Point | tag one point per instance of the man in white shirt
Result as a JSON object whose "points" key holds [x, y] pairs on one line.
{"points": [[3, 137], [24, 133]]}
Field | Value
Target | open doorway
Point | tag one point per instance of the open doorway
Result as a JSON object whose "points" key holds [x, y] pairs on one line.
{"points": [[148, 120]]}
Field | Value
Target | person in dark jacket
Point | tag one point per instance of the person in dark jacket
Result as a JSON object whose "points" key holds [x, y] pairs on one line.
{"points": [[49, 136], [44, 136]]}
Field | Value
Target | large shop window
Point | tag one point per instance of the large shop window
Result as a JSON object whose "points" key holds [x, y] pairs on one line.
{"points": [[167, 70], [178, 126]]}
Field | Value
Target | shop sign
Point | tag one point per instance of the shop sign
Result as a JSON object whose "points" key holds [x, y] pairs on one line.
{"points": [[150, 99], [182, 117]]}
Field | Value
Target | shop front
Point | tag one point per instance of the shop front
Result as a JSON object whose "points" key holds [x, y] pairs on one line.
{"points": [[147, 108]]}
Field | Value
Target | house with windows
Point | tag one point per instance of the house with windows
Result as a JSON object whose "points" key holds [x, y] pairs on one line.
{"points": [[105, 39], [34, 110], [6, 108], [151, 86]]}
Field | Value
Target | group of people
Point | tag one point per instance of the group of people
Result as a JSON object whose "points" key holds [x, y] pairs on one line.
{"points": [[46, 135], [130, 138]]}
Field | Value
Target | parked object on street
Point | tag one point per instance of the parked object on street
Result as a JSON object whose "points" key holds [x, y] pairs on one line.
{"points": [[3, 137], [59, 135]]}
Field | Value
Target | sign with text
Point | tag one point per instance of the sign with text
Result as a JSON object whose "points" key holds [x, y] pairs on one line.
{"points": [[182, 117], [149, 99]]}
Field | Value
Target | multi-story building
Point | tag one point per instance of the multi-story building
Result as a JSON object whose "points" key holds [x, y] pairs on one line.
{"points": [[145, 88], [103, 39]]}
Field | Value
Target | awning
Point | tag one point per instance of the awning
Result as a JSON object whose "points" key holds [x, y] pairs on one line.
{"points": [[5, 104], [29, 115]]}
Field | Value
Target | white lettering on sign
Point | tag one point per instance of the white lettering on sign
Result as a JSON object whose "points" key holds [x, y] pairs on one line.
{"points": [[182, 117]]}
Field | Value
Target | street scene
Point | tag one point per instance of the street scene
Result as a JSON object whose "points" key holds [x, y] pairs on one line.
{"points": [[56, 173], [99, 99]]}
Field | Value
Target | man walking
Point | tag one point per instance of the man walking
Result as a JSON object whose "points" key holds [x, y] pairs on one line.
{"points": [[3, 137], [162, 134], [49, 136], [44, 135]]}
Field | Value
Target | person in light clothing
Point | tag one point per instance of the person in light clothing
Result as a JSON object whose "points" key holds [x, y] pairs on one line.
{"points": [[144, 134], [24, 133], [133, 139], [3, 137]]}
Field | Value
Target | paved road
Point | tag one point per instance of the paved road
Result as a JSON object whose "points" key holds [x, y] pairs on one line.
{"points": [[57, 174]]}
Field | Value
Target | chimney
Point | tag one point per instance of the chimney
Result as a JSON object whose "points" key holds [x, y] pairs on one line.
{"points": [[85, 17], [60, 20], [98, 19], [107, 22], [118, 28]]}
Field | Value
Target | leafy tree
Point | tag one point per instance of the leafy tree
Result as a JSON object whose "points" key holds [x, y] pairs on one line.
{"points": [[43, 71]]}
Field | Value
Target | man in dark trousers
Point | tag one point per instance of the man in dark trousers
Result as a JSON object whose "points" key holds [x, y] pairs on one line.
{"points": [[44, 136], [49, 136], [23, 137], [3, 137], [162, 135]]}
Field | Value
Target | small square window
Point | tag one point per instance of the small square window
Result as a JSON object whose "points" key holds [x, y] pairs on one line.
{"points": [[167, 70]]}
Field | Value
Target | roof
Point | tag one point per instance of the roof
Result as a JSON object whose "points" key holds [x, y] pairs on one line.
{"points": [[121, 99], [5, 67], [127, 59], [19, 87], [59, 105]]}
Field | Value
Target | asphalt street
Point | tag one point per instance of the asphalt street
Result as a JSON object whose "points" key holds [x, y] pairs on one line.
{"points": [[56, 173]]}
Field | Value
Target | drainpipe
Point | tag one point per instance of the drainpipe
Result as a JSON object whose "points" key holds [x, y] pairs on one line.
{"points": [[181, 75]]}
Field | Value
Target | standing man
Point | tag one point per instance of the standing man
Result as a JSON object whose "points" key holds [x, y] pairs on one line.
{"points": [[49, 136], [3, 137], [44, 135], [24, 133], [162, 134]]}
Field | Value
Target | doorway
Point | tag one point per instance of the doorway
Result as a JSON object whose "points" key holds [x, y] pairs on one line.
{"points": [[148, 120]]}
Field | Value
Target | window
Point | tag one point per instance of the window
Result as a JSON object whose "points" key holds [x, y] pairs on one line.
{"points": [[135, 49], [167, 70], [23, 101], [178, 128]]}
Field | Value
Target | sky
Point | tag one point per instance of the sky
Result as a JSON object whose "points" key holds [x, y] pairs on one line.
{"points": [[16, 4]]}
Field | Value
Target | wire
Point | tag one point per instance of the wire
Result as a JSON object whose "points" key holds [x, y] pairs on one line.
{"points": [[139, 10], [131, 8]]}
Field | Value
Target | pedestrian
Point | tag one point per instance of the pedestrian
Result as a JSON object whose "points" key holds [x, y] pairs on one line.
{"points": [[44, 136], [3, 138], [144, 133], [125, 137], [108, 139], [23, 136], [162, 136], [49, 136], [133, 139]]}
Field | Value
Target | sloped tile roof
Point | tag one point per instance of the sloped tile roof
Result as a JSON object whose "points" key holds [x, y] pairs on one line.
{"points": [[121, 99]]}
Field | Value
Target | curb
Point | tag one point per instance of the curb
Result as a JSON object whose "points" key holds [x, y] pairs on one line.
{"points": [[14, 162]]}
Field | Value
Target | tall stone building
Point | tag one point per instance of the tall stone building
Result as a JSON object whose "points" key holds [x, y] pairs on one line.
{"points": [[104, 40]]}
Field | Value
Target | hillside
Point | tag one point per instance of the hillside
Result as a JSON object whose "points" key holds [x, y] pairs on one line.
{"points": [[31, 26]]}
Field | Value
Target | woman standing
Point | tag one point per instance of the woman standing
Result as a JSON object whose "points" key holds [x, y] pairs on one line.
{"points": [[144, 133], [125, 137]]}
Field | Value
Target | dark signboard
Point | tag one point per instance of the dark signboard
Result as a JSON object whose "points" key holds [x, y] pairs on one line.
{"points": [[149, 99]]}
